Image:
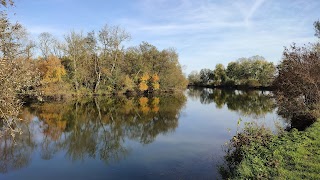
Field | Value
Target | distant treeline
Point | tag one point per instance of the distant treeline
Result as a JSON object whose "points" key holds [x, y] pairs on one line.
{"points": [[251, 72]]}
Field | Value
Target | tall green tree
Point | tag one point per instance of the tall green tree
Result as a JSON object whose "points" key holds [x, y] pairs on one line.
{"points": [[220, 75], [111, 39], [233, 71], [75, 52], [206, 75]]}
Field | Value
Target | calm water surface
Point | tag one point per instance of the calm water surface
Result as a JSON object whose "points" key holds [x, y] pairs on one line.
{"points": [[165, 137]]}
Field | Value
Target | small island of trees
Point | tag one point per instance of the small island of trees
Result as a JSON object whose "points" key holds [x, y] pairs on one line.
{"points": [[249, 72]]}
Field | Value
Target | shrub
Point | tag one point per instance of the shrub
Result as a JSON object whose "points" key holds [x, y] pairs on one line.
{"points": [[230, 83], [252, 83], [255, 153], [243, 147], [298, 81]]}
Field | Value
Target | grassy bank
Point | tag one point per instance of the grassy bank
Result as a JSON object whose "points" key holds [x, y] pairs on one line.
{"points": [[256, 153]]}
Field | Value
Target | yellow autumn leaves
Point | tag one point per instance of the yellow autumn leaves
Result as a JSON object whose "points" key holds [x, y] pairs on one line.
{"points": [[147, 107], [51, 70], [148, 82]]}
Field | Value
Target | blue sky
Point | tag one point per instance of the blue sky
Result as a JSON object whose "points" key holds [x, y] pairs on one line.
{"points": [[204, 32]]}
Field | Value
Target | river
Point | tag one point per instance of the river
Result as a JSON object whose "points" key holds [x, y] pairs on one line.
{"points": [[178, 136]]}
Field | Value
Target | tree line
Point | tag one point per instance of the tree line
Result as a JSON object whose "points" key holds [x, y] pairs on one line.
{"points": [[99, 63], [295, 80], [254, 71], [95, 62]]}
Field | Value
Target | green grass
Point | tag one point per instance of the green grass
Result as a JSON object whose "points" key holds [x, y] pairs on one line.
{"points": [[300, 151], [290, 155]]}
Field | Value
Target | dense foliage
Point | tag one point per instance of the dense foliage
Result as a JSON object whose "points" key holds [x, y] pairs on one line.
{"points": [[18, 74], [253, 72], [99, 63], [298, 82]]}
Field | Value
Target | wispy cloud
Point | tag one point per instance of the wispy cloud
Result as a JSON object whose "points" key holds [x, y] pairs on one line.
{"points": [[165, 18], [221, 31], [257, 4]]}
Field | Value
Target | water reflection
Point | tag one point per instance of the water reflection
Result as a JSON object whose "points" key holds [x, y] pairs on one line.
{"points": [[247, 103], [130, 138], [17, 154], [90, 129], [295, 112]]}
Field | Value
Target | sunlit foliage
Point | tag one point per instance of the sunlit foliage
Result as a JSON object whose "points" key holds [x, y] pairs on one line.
{"points": [[252, 72], [100, 63], [51, 70]]}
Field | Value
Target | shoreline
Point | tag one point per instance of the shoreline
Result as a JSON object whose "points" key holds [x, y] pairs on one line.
{"points": [[34, 97], [235, 87]]}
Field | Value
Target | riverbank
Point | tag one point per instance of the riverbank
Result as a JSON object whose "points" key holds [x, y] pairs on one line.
{"points": [[62, 95], [288, 155], [236, 87]]}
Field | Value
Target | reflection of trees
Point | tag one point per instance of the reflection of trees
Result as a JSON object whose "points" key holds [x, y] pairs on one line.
{"points": [[161, 118], [250, 103], [99, 127], [293, 110], [203, 94], [92, 128], [16, 153], [52, 126], [254, 103]]}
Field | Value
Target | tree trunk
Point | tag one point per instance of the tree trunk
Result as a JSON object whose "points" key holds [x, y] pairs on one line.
{"points": [[75, 74], [98, 74]]}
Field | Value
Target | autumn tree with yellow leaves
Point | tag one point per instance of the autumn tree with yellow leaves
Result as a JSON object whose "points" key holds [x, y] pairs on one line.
{"points": [[51, 70], [143, 85], [149, 83]]}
